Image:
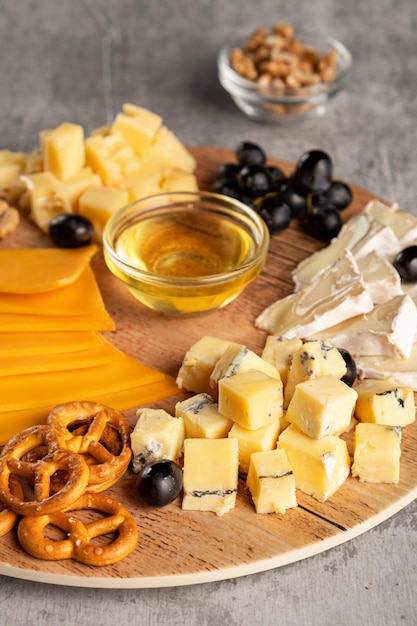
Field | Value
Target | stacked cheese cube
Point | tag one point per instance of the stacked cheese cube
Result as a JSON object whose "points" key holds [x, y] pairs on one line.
{"points": [[51, 347], [134, 157]]}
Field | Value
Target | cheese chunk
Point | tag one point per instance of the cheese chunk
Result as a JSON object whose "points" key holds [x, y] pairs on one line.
{"points": [[279, 351], [360, 235], [156, 435], [259, 440], [384, 402], [202, 418], [175, 180], [168, 152], [320, 466], [36, 270], [210, 475], [198, 364], [383, 331], [322, 406], [337, 293], [380, 277], [271, 482], [403, 224], [63, 150], [48, 198], [99, 204], [112, 158], [237, 359], [143, 185], [312, 359], [376, 453], [78, 183], [137, 130], [402, 372], [252, 399]]}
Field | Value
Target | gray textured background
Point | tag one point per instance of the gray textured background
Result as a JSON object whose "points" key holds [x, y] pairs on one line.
{"points": [[79, 60]]}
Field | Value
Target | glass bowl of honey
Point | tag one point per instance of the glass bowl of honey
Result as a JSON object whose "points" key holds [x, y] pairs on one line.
{"points": [[186, 253]]}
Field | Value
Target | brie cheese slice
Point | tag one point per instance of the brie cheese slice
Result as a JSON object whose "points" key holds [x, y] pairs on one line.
{"points": [[336, 294], [403, 224], [380, 277], [399, 371]]}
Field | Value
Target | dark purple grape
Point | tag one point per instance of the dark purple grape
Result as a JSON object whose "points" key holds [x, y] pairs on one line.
{"points": [[71, 230], [405, 262], [351, 369], [339, 194], [323, 222], [160, 482], [228, 170], [249, 153], [275, 213], [277, 175], [255, 180], [314, 171], [226, 186], [296, 199]]}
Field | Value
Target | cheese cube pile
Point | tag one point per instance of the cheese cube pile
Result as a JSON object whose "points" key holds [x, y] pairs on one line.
{"points": [[134, 157]]}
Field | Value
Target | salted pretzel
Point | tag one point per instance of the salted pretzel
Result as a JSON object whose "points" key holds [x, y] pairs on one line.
{"points": [[47, 458], [79, 543], [100, 434], [9, 518]]}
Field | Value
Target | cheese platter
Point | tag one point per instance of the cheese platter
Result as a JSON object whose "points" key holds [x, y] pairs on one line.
{"points": [[177, 547]]}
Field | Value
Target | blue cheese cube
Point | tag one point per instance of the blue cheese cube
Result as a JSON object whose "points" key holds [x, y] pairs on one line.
{"points": [[202, 418], [384, 402], [279, 351], [376, 453], [271, 482], [156, 435]]}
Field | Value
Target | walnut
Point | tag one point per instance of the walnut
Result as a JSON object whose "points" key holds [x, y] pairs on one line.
{"points": [[9, 219]]}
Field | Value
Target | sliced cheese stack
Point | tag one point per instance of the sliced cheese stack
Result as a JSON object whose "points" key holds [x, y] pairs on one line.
{"points": [[134, 157], [51, 347], [350, 294]]}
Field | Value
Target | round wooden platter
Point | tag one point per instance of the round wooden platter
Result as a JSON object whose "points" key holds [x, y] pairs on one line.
{"points": [[181, 548]]}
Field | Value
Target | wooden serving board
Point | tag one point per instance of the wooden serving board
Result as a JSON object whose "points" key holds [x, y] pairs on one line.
{"points": [[177, 547]]}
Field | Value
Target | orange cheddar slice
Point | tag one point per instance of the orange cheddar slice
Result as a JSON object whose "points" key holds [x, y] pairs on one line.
{"points": [[79, 298], [15, 344], [36, 270], [18, 322]]}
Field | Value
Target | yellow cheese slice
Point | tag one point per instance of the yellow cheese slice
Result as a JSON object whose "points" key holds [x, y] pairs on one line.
{"points": [[19, 322], [80, 298], [35, 270], [12, 422], [16, 344]]}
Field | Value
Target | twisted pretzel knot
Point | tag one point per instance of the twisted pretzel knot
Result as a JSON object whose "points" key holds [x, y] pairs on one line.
{"points": [[78, 545], [100, 434], [8, 518]]}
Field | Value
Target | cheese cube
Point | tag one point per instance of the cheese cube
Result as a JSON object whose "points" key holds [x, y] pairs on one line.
{"points": [[320, 466], [112, 158], [156, 435], [202, 418], [384, 402], [64, 150], [322, 406], [137, 130], [47, 198], [236, 359], [271, 482], [142, 185], [99, 204], [167, 151], [279, 351], [210, 477], [78, 183], [198, 364], [312, 359], [175, 180], [259, 440], [376, 453], [251, 399]]}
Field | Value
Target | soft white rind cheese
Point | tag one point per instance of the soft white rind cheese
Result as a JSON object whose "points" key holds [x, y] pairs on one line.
{"points": [[336, 294], [403, 224], [399, 371], [380, 277]]}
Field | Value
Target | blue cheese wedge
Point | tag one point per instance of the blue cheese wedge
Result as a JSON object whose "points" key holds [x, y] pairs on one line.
{"points": [[384, 402], [202, 418], [377, 453], [320, 466], [336, 294], [156, 435], [271, 482], [322, 406], [384, 331], [210, 476]]}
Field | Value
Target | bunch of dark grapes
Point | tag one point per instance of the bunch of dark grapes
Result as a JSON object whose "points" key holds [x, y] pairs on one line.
{"points": [[310, 194]]}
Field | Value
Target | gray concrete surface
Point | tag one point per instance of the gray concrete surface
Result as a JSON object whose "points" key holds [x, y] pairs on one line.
{"points": [[79, 60]]}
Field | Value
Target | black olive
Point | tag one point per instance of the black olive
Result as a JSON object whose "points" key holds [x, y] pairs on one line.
{"points": [[71, 230]]}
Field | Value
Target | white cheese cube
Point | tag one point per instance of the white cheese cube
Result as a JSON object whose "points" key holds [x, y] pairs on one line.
{"points": [[251, 399], [156, 435], [250, 441], [210, 475], [320, 466], [202, 418], [377, 452], [271, 482], [322, 406], [384, 402], [64, 150]]}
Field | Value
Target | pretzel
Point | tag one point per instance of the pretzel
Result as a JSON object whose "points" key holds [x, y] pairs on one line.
{"points": [[43, 442], [9, 518], [79, 545], [100, 434]]}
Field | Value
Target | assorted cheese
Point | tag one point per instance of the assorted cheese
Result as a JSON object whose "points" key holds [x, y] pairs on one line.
{"points": [[134, 157]]}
